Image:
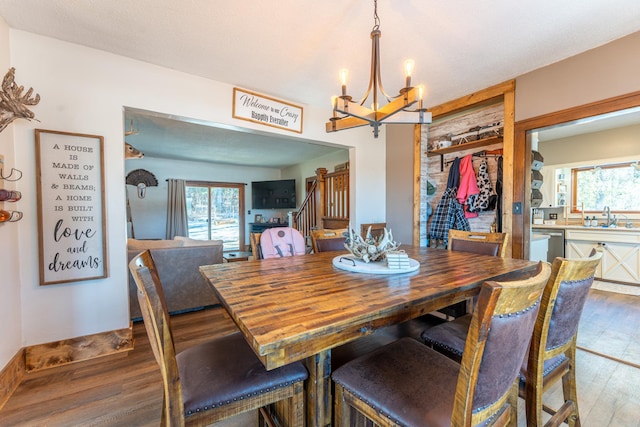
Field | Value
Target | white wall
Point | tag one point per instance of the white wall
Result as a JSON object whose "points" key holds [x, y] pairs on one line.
{"points": [[10, 313], [84, 90], [601, 73], [400, 179], [593, 147]]}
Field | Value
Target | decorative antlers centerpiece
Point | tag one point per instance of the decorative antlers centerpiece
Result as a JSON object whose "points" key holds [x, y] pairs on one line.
{"points": [[369, 248], [13, 103]]}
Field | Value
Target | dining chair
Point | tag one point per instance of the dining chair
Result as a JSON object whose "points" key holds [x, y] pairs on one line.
{"points": [[476, 242], [325, 240], [217, 379], [256, 250], [282, 242], [409, 384], [553, 344], [377, 229]]}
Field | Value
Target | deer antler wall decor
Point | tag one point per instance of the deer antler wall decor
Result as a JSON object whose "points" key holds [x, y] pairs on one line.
{"points": [[13, 104]]}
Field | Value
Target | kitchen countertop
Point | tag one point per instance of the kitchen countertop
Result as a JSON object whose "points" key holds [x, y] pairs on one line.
{"points": [[582, 227], [536, 237]]}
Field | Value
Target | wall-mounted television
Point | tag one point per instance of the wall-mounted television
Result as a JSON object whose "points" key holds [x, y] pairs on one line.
{"points": [[280, 194]]}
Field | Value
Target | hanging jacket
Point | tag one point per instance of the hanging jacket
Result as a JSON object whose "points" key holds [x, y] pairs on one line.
{"points": [[449, 212], [499, 198], [468, 185], [481, 202]]}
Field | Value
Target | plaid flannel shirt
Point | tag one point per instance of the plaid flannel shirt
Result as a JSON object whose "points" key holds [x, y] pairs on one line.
{"points": [[448, 214]]}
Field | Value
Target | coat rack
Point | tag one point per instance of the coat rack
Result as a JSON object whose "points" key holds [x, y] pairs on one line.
{"points": [[485, 154], [465, 146]]}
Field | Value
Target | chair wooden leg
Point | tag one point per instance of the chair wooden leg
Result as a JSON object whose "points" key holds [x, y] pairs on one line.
{"points": [[533, 399], [342, 416], [569, 388], [292, 410], [298, 410], [513, 403]]}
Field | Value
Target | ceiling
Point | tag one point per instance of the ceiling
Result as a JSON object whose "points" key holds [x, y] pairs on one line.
{"points": [[602, 122], [169, 137], [293, 49]]}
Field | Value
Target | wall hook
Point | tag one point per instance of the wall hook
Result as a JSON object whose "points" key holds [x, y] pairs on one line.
{"points": [[10, 176]]}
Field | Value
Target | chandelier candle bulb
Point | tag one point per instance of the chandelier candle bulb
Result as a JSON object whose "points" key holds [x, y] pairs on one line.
{"points": [[344, 75], [408, 71]]}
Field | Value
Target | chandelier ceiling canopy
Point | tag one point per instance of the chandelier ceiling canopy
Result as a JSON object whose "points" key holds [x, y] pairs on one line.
{"points": [[348, 114]]}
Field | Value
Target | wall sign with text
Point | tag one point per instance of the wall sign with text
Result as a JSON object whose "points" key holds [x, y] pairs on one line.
{"points": [[71, 208], [261, 109]]}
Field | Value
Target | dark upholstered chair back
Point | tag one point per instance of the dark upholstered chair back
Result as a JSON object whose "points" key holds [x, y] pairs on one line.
{"points": [[553, 345], [567, 311], [326, 245], [376, 229], [216, 379], [158, 326], [482, 248], [325, 240], [478, 242], [564, 299], [406, 383], [499, 336]]}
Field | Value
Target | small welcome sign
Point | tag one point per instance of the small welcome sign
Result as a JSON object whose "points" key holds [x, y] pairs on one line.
{"points": [[267, 111]]}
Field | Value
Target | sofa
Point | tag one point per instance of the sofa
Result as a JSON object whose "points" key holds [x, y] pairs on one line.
{"points": [[177, 262]]}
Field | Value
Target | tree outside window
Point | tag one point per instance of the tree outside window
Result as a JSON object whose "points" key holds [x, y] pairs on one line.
{"points": [[613, 185], [215, 211]]}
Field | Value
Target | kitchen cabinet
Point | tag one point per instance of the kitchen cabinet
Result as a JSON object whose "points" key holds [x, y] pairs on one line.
{"points": [[620, 252]]}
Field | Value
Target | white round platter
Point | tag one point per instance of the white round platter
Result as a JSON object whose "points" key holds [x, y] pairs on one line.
{"points": [[353, 264]]}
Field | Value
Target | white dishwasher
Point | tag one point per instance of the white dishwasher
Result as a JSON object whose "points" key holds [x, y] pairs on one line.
{"points": [[555, 241], [539, 247]]}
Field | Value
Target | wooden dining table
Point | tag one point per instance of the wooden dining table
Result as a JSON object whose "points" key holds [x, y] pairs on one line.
{"points": [[299, 308]]}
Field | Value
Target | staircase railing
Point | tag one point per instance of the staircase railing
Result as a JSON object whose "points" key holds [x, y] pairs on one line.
{"points": [[326, 204], [304, 220]]}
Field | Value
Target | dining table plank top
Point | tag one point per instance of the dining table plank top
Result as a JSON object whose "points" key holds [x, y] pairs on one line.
{"points": [[292, 308]]}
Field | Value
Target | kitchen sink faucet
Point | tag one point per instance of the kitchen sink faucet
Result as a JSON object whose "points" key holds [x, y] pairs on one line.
{"points": [[607, 212]]}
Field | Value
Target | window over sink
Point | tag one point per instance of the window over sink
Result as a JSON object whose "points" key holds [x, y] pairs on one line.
{"points": [[612, 185]]}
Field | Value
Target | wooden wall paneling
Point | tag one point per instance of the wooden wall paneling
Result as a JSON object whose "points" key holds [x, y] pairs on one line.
{"points": [[11, 376], [490, 95], [419, 187], [479, 107], [508, 167], [43, 356]]}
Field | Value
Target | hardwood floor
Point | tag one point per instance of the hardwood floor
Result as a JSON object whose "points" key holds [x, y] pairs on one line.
{"points": [[126, 390]]}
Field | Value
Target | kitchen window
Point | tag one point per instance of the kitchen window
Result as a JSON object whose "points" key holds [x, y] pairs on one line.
{"points": [[612, 185]]}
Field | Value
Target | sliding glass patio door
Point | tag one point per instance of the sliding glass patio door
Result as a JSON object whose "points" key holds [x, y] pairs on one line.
{"points": [[215, 211]]}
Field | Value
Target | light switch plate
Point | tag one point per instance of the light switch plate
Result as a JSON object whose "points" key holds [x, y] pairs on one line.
{"points": [[517, 208]]}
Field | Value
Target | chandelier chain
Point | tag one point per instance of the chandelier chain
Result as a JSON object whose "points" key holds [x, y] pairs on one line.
{"points": [[376, 19]]}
